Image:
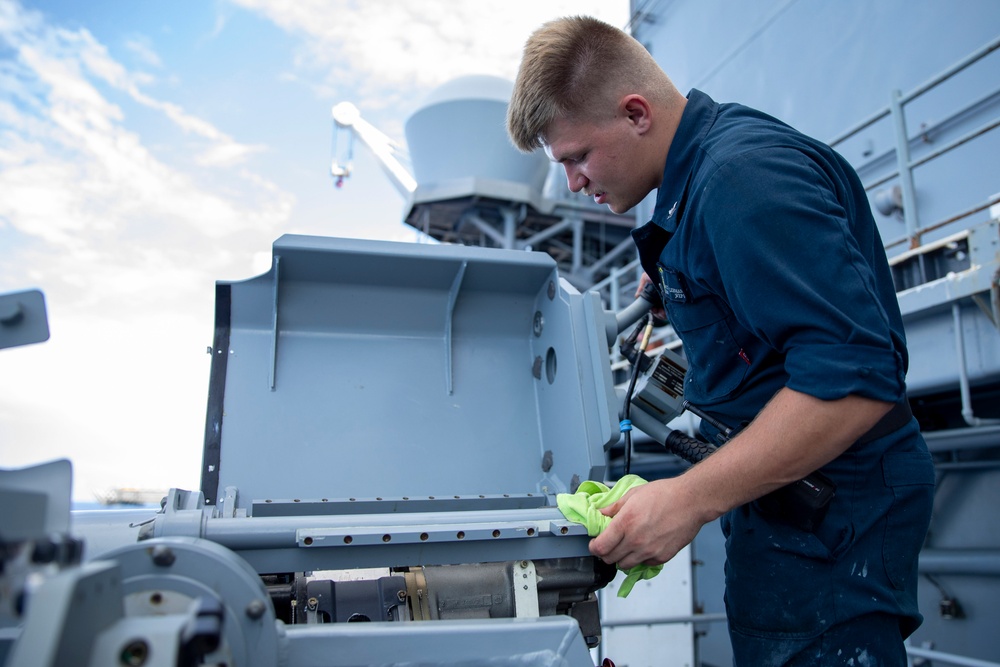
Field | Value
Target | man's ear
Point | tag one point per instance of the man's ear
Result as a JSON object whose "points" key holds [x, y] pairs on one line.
{"points": [[638, 111]]}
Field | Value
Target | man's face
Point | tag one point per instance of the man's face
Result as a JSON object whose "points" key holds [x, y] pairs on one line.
{"points": [[600, 159]]}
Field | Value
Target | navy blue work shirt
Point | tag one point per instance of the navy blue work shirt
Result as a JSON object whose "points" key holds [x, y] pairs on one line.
{"points": [[770, 265]]}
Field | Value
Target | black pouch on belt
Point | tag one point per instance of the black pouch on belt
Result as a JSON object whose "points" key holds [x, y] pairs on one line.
{"points": [[804, 503]]}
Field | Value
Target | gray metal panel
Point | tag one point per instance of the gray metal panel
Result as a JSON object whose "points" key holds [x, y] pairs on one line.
{"points": [[407, 370], [934, 353], [553, 641], [818, 65], [823, 67], [965, 501]]}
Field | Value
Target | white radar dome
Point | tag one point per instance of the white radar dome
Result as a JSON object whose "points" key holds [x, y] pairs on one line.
{"points": [[459, 133]]}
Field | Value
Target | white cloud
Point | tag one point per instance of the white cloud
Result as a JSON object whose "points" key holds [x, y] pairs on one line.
{"points": [[96, 59], [141, 47], [417, 44], [227, 155], [70, 165], [126, 248]]}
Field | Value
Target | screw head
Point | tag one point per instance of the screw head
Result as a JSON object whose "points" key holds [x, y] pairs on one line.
{"points": [[163, 556], [11, 313], [255, 609]]}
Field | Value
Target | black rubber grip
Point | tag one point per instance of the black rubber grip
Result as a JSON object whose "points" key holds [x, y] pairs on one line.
{"points": [[688, 448], [651, 294]]}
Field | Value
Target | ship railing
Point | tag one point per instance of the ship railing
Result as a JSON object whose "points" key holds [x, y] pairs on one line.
{"points": [[905, 165]]}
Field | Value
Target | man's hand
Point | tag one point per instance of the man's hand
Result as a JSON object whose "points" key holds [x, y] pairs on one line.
{"points": [[657, 311], [651, 524]]}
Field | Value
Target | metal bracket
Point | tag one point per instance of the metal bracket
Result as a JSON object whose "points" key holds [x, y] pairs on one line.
{"points": [[525, 589]]}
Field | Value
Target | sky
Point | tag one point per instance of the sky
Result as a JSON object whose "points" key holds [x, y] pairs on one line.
{"points": [[149, 149]]}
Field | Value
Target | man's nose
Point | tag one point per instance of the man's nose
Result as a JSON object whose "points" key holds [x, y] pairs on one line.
{"points": [[575, 180]]}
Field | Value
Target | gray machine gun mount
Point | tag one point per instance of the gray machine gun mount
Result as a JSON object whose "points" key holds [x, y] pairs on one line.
{"points": [[388, 427]]}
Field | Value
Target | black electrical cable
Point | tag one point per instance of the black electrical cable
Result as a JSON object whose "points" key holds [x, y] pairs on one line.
{"points": [[625, 421]]}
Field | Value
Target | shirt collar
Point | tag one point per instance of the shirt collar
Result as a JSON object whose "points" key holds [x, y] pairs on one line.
{"points": [[698, 117]]}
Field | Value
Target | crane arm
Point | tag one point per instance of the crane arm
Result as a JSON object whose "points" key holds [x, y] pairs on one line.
{"points": [[346, 116]]}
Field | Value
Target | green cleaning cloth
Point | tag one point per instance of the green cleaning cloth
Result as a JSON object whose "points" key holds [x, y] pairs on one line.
{"points": [[585, 506]]}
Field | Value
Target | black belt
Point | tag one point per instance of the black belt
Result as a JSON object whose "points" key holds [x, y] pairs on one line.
{"points": [[804, 503], [898, 417]]}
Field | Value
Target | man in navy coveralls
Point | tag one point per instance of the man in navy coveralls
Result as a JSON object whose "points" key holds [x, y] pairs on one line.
{"points": [[772, 272]]}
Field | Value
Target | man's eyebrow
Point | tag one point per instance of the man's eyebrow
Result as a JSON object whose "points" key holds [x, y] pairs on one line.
{"points": [[568, 155]]}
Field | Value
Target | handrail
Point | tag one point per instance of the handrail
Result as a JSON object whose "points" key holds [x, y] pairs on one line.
{"points": [[614, 274], [936, 154], [905, 166], [946, 74], [995, 199], [948, 658]]}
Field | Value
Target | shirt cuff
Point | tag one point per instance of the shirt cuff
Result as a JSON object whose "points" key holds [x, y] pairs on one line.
{"points": [[829, 372]]}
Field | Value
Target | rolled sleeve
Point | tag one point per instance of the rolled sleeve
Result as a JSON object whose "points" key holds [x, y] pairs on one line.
{"points": [[832, 371], [796, 276]]}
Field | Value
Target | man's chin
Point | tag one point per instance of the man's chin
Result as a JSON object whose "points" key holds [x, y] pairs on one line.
{"points": [[615, 207]]}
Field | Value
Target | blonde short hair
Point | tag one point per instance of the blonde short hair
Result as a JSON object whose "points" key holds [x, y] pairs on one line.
{"points": [[578, 67]]}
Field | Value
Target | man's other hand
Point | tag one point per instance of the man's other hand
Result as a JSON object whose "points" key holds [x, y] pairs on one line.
{"points": [[651, 524]]}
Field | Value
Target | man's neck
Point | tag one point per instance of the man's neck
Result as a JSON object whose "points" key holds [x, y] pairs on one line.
{"points": [[670, 115]]}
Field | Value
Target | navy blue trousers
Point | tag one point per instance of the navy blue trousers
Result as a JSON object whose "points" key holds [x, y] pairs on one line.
{"points": [[846, 593]]}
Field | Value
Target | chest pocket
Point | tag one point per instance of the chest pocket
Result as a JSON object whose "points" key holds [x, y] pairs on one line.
{"points": [[717, 363]]}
